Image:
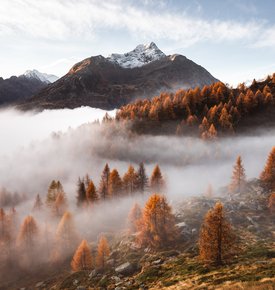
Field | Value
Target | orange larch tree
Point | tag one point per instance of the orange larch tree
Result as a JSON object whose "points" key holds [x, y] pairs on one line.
{"points": [[238, 179], [156, 181], [103, 252], [104, 182], [225, 120], [204, 126], [82, 259], [130, 180], [53, 190], [66, 237], [115, 185], [28, 234], [142, 179], [268, 175], [134, 218], [216, 241], [27, 242], [81, 199], [157, 227], [91, 193], [60, 205]]}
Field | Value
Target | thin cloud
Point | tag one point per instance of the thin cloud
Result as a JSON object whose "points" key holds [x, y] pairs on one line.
{"points": [[60, 20]]}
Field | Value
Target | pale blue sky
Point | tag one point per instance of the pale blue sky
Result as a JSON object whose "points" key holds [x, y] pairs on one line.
{"points": [[233, 39]]}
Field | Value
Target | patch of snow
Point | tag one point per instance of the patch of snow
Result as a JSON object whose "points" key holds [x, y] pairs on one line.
{"points": [[43, 77], [141, 55]]}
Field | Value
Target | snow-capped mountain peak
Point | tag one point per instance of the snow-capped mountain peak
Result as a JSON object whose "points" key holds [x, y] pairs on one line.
{"points": [[43, 77], [141, 55]]}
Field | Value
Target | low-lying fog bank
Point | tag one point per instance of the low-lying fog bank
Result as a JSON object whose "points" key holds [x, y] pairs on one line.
{"points": [[19, 129], [189, 164]]}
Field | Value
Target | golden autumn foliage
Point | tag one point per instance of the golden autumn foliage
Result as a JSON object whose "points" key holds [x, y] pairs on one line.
{"points": [[238, 179], [103, 252], [53, 190], [60, 205], [66, 236], [142, 179], [82, 259], [28, 234], [197, 109], [91, 193], [268, 175], [130, 180], [157, 183], [216, 241], [134, 218], [133, 182], [157, 227], [103, 189], [115, 185]]}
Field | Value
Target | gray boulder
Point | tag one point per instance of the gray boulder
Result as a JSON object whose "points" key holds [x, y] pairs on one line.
{"points": [[125, 269]]}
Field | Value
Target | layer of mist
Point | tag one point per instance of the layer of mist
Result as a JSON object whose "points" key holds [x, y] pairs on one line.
{"points": [[189, 164], [18, 129], [32, 156]]}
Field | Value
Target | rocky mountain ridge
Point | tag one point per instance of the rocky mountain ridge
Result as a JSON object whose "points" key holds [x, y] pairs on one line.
{"points": [[108, 83], [43, 77]]}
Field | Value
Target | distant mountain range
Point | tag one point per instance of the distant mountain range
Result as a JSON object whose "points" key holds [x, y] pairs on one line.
{"points": [[110, 82], [17, 89], [43, 77]]}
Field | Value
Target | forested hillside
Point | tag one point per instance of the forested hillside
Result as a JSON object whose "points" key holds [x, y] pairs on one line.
{"points": [[212, 111]]}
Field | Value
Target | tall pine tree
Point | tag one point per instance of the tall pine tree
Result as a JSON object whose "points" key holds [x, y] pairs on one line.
{"points": [[81, 193], [103, 252], [115, 185], [82, 259], [157, 181], [142, 179], [157, 227], [238, 177], [104, 182], [268, 175], [216, 241]]}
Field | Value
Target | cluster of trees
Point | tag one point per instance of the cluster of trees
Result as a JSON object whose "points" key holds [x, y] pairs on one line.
{"points": [[238, 179], [24, 247], [56, 200], [212, 110], [154, 225], [25, 242], [10, 199], [112, 185], [267, 179], [84, 260], [156, 228]]}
